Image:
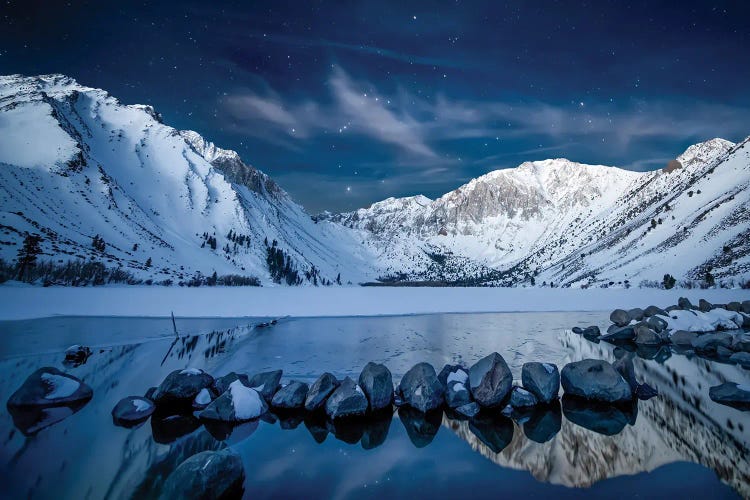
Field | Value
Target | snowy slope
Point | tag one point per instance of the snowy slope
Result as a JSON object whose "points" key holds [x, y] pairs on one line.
{"points": [[75, 163], [567, 223]]}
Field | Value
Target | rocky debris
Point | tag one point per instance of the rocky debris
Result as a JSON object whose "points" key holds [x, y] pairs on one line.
{"points": [[266, 383], [731, 394], [49, 386], [132, 410], [490, 381], [421, 389], [180, 387], [620, 317], [77, 354], [653, 311], [636, 314], [209, 474], [319, 391], [377, 383], [291, 396], [347, 400], [595, 380], [542, 380], [709, 342], [682, 337], [221, 384], [238, 404], [521, 398]]}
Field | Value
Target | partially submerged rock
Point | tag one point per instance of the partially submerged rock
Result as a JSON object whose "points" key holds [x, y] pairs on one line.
{"points": [[291, 396], [646, 336], [636, 314], [596, 380], [348, 400], [490, 381], [238, 404], [132, 410], [708, 343], [591, 331], [542, 380], [209, 474], [653, 311], [521, 398], [421, 389], [731, 394], [741, 358], [682, 337], [221, 384], [266, 383], [468, 410], [619, 333], [49, 386], [377, 383], [180, 387], [77, 354], [620, 317], [320, 390]]}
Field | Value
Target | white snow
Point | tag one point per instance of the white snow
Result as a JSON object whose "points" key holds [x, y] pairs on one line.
{"points": [[23, 303], [358, 389], [203, 397], [246, 401], [418, 392], [141, 404], [458, 376], [698, 321], [459, 387], [60, 386], [191, 371]]}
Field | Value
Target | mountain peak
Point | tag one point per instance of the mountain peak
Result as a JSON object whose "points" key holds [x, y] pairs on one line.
{"points": [[705, 152]]}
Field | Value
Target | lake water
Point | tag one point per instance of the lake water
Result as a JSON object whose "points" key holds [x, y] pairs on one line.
{"points": [[679, 443]]}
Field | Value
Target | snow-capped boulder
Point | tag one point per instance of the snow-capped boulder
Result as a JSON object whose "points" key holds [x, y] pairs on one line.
{"points": [[456, 393], [421, 389], [490, 380], [657, 323], [377, 383], [697, 321], [319, 391], [266, 383], [542, 380], [348, 400], [49, 386], [77, 354], [221, 384], [596, 380], [180, 387], [291, 396], [731, 394], [209, 474], [521, 398], [132, 410], [620, 317], [237, 404]]}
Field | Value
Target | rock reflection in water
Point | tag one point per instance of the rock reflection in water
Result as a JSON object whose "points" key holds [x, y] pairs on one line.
{"points": [[602, 418]]}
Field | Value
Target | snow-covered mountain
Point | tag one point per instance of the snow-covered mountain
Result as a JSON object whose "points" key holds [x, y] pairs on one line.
{"points": [[566, 223], [76, 163]]}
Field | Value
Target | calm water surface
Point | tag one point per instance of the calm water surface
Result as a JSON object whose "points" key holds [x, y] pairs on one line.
{"points": [[679, 443]]}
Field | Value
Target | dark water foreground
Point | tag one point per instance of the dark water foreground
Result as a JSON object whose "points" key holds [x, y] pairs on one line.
{"points": [[679, 443]]}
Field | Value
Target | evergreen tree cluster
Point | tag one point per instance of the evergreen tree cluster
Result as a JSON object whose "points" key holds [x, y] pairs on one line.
{"points": [[280, 265], [98, 243], [209, 240]]}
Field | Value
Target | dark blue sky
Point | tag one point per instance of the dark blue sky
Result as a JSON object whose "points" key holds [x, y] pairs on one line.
{"points": [[346, 103]]}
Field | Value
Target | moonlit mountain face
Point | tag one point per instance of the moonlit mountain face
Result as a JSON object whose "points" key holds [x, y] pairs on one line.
{"points": [[76, 163]]}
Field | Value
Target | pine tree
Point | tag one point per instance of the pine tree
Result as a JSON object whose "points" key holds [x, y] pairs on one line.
{"points": [[148, 262], [669, 281], [28, 253]]}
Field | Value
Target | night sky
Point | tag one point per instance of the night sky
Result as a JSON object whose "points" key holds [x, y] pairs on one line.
{"points": [[346, 103]]}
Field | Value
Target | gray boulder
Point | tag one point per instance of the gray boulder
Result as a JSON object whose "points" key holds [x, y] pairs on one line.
{"points": [[542, 380], [266, 383], [468, 410], [636, 313], [731, 394], [377, 383], [741, 358], [657, 323], [704, 305], [684, 303], [619, 333], [734, 306], [237, 404], [595, 380], [490, 381], [319, 391], [683, 337], [620, 317], [205, 475], [646, 336], [181, 386], [421, 389], [132, 410], [457, 394], [708, 342], [221, 384], [577, 330], [291, 396], [669, 309], [624, 366], [746, 306], [653, 311], [591, 331], [347, 400], [49, 386], [521, 398]]}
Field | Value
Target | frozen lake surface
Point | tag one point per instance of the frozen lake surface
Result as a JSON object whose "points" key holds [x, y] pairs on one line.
{"points": [[679, 443]]}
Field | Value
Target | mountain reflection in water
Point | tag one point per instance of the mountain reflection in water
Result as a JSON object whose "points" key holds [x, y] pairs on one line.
{"points": [[79, 452]]}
